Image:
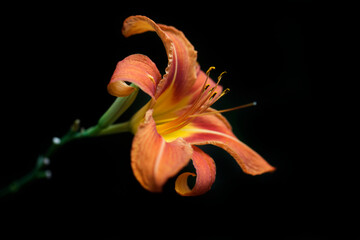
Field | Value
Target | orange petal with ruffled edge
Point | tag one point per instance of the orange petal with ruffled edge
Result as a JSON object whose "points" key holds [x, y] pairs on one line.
{"points": [[205, 175], [154, 160], [137, 69], [213, 129], [180, 73]]}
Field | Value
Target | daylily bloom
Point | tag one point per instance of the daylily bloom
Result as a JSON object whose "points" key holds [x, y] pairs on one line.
{"points": [[179, 115]]}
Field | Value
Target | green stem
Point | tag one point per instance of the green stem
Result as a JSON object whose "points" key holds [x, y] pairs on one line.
{"points": [[104, 127], [39, 172], [31, 176], [120, 105], [116, 128]]}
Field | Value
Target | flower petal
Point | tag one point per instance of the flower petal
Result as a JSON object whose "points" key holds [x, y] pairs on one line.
{"points": [[210, 129], [154, 160], [138, 69], [205, 171], [180, 73]]}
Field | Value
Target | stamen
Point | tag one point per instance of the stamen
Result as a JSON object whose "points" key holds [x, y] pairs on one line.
{"points": [[205, 86], [210, 68], [201, 104], [222, 94], [205, 99], [198, 103], [225, 110], [217, 84]]}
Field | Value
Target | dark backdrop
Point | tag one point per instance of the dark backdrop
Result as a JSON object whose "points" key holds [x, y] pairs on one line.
{"points": [[61, 57]]}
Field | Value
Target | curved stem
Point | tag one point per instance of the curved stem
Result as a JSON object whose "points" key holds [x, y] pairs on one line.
{"points": [[116, 128], [103, 127], [39, 172], [120, 105], [34, 174]]}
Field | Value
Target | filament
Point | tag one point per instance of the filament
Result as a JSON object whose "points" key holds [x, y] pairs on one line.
{"points": [[225, 110]]}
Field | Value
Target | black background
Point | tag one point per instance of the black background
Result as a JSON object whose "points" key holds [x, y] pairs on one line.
{"points": [[61, 57]]}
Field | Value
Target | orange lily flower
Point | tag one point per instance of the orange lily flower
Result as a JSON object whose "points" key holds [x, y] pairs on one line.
{"points": [[178, 116]]}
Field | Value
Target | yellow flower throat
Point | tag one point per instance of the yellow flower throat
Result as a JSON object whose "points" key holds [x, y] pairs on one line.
{"points": [[177, 117]]}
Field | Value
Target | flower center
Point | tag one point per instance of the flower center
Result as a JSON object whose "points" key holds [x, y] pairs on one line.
{"points": [[207, 97]]}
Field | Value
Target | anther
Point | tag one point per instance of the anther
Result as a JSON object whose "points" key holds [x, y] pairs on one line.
{"points": [[212, 96], [207, 86], [208, 71], [224, 92]]}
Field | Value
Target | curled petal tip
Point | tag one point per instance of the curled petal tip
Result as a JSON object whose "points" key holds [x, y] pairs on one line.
{"points": [[137, 69], [180, 73], [181, 185], [205, 175], [119, 89]]}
